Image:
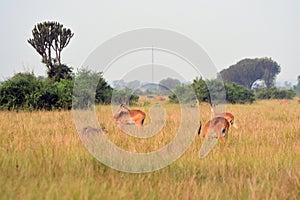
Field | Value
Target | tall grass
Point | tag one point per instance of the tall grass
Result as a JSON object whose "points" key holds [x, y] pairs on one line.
{"points": [[42, 157]]}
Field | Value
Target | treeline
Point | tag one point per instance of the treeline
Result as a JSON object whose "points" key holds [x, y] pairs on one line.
{"points": [[212, 91], [25, 91], [216, 91]]}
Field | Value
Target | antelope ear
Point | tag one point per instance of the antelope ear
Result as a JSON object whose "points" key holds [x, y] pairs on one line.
{"points": [[235, 126]]}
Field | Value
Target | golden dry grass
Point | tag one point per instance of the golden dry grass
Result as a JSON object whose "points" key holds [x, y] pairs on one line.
{"points": [[42, 157]]}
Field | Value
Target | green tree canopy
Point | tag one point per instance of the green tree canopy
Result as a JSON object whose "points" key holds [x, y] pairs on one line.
{"points": [[201, 89], [247, 71]]}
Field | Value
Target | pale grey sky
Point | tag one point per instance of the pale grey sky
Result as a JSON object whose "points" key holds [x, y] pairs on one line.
{"points": [[227, 30]]}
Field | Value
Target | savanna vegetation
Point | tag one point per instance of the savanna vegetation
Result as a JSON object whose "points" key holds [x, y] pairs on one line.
{"points": [[42, 157]]}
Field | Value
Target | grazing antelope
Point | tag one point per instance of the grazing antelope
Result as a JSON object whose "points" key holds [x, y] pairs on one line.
{"points": [[285, 102], [217, 130], [226, 115], [229, 117], [160, 98], [126, 116], [89, 130], [204, 103], [218, 125]]}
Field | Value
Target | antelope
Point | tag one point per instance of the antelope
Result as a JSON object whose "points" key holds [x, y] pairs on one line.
{"points": [[228, 116], [160, 98], [89, 129], [219, 126], [204, 103], [217, 130], [216, 124], [126, 116], [285, 102]]}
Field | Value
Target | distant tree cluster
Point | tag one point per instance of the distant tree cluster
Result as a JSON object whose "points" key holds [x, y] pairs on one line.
{"points": [[169, 83], [125, 96], [212, 90], [182, 94], [163, 88], [275, 93], [247, 71]]}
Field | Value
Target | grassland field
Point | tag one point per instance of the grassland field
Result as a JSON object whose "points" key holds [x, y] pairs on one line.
{"points": [[42, 157]]}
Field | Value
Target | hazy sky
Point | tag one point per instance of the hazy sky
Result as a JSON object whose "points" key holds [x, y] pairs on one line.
{"points": [[227, 30]]}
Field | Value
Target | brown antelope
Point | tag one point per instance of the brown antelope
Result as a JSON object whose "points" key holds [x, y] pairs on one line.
{"points": [[160, 98], [217, 130], [228, 116], [204, 103], [285, 102], [298, 101], [219, 125], [126, 116]]}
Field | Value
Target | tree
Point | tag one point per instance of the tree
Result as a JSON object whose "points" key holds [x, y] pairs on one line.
{"points": [[183, 93], [170, 83], [90, 87], [58, 72], [201, 90], [214, 90], [51, 38], [247, 71]]}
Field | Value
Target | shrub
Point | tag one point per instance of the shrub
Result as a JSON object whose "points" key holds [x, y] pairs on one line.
{"points": [[275, 93], [238, 94], [20, 92]]}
